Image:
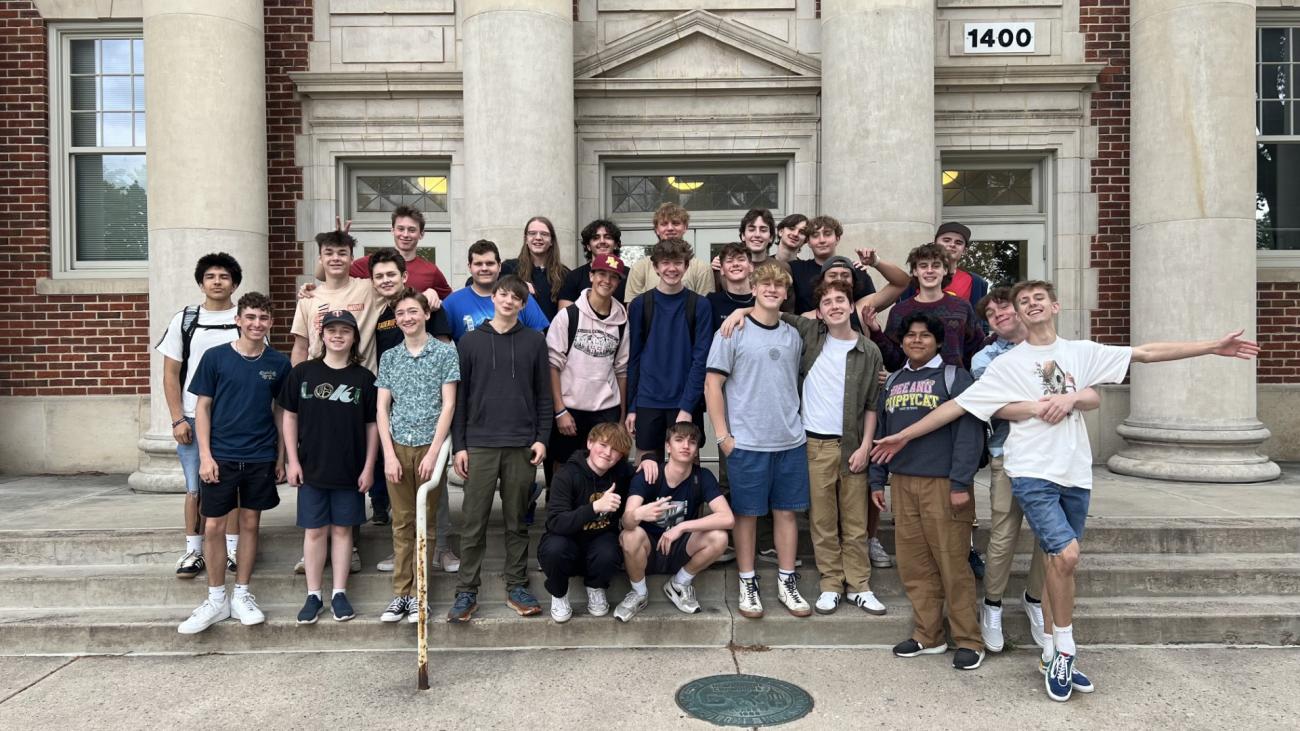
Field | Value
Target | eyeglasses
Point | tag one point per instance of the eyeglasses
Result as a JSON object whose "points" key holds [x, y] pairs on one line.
{"points": [[538, 234]]}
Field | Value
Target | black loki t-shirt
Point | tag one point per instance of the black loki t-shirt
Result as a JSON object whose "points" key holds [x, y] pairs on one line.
{"points": [[333, 407]]}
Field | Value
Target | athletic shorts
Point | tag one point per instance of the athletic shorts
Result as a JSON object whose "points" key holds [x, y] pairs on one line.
{"points": [[671, 562], [249, 485], [764, 481], [652, 425], [319, 507]]}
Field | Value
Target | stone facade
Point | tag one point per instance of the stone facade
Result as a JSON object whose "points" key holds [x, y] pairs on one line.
{"points": [[484, 91]]}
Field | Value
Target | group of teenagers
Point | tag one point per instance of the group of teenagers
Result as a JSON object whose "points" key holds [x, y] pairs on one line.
{"points": [[603, 376]]}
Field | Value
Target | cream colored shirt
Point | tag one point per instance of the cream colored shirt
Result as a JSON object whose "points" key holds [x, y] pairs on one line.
{"points": [[358, 297], [643, 278]]}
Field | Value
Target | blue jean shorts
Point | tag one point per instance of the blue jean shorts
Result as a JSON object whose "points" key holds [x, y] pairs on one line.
{"points": [[1055, 513], [319, 507], [764, 481], [189, 456]]}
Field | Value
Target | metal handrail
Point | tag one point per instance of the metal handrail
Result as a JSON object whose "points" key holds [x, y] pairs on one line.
{"points": [[422, 561]]}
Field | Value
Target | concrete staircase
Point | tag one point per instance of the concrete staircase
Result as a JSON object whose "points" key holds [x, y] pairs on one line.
{"points": [[1142, 581]]}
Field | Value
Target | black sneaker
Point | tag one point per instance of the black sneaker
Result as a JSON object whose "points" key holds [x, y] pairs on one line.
{"points": [[381, 517], [912, 648], [342, 608], [462, 610], [231, 566], [967, 659], [190, 565], [310, 610]]}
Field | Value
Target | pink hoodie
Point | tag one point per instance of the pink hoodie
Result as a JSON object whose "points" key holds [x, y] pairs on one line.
{"points": [[589, 371]]}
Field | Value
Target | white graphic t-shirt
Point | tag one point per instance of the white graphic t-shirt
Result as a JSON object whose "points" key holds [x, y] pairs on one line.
{"points": [[1057, 452]]}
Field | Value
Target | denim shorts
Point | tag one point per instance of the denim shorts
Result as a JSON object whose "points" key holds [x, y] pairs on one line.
{"points": [[189, 456], [1055, 513], [763, 481]]}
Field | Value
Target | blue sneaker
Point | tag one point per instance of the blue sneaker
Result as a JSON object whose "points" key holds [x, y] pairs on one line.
{"points": [[1058, 675], [310, 610], [342, 608], [463, 608], [522, 601], [1078, 680]]}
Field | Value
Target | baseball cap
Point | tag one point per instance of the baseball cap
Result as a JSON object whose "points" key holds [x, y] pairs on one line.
{"points": [[952, 227], [609, 263], [837, 262], [335, 316]]}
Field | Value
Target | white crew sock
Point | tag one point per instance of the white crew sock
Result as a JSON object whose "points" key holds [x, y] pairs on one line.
{"points": [[194, 544], [336, 593], [1063, 638], [683, 578], [640, 588], [217, 595], [1049, 649], [241, 589], [232, 543], [746, 574], [315, 593]]}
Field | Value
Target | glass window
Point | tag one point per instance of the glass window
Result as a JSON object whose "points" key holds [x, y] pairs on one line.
{"points": [[375, 188], [385, 193], [988, 186], [1277, 192], [695, 192], [100, 181]]}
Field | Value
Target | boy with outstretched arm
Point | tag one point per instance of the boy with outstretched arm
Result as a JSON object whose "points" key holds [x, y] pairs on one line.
{"points": [[963, 335]]}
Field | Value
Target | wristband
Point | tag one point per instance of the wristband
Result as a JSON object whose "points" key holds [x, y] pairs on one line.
{"points": [[561, 412], [722, 439], [178, 422]]}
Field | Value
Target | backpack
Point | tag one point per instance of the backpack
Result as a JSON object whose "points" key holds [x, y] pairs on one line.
{"points": [[572, 309], [648, 313], [949, 379], [190, 323]]}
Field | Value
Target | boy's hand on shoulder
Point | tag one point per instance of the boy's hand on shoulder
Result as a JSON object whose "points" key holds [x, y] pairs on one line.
{"points": [[649, 469]]}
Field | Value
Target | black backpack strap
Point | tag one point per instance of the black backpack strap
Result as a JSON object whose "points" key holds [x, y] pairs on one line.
{"points": [[647, 314], [691, 298], [889, 382], [572, 311], [189, 323]]}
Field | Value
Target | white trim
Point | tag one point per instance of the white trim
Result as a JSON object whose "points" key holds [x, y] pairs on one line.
{"points": [[437, 224], [63, 262], [692, 165]]}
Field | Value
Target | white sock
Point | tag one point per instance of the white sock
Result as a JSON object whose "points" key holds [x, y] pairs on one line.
{"points": [[746, 574], [1063, 638], [560, 602], [241, 589], [194, 544], [1049, 649], [336, 593], [785, 574], [683, 578], [217, 594], [232, 543], [315, 593], [640, 588]]}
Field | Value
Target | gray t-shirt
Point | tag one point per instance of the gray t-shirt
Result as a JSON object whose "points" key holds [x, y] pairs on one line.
{"points": [[761, 364]]}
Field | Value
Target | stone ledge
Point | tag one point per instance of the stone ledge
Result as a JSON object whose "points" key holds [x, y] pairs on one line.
{"points": [[93, 285]]}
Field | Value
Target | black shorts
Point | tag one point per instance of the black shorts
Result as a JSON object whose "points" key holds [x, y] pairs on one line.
{"points": [[669, 563], [562, 447], [248, 485], [652, 424]]}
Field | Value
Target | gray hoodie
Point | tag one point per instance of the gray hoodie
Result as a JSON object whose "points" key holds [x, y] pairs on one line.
{"points": [[504, 398]]}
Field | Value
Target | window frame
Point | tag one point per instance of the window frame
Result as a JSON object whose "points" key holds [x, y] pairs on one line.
{"points": [[435, 222], [1034, 163], [64, 263], [1273, 18], [674, 166]]}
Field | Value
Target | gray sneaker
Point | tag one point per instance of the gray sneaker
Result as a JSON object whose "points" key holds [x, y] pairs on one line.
{"points": [[630, 606], [682, 596], [880, 558]]}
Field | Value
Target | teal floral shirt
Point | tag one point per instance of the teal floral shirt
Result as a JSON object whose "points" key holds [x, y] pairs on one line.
{"points": [[415, 382]]}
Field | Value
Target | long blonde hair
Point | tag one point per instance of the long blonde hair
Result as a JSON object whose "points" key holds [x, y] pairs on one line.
{"points": [[555, 269]]}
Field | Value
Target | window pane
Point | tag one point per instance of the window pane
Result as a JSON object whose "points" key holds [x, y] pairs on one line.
{"points": [[384, 193], [139, 130], [139, 94], [117, 93], [137, 53], [110, 221], [117, 130], [84, 96], [1273, 118], [116, 56], [1000, 262], [1273, 44], [988, 187], [83, 56], [85, 129], [707, 192], [1277, 198]]}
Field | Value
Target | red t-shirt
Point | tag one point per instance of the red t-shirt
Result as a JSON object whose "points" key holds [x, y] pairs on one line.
{"points": [[421, 274], [960, 285]]}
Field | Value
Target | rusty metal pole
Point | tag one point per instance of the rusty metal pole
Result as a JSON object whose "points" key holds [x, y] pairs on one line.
{"points": [[422, 563]]}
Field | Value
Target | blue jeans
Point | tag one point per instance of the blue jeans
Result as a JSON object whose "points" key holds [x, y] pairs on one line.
{"points": [[189, 456], [1056, 513]]}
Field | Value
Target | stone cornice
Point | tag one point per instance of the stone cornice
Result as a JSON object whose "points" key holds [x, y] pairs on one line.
{"points": [[588, 87], [377, 84], [1018, 77]]}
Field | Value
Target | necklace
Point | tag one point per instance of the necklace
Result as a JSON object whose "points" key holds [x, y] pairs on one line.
{"points": [[250, 359], [744, 300]]}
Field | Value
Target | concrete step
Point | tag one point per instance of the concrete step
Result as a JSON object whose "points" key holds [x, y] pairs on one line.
{"points": [[1101, 575], [283, 543], [1229, 620]]}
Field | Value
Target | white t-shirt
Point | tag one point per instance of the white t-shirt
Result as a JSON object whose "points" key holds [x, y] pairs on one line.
{"points": [[204, 337], [1057, 452], [823, 388]]}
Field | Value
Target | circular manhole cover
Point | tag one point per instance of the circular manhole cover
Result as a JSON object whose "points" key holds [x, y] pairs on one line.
{"points": [[744, 700]]}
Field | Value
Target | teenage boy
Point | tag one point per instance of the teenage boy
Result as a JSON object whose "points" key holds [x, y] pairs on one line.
{"points": [[663, 532], [736, 292], [417, 395], [599, 238], [408, 229], [582, 520], [752, 390], [499, 433], [189, 335], [340, 291], [963, 336], [842, 269], [671, 221], [1036, 386], [934, 510], [236, 423], [470, 307], [791, 235], [669, 328], [824, 234], [954, 238]]}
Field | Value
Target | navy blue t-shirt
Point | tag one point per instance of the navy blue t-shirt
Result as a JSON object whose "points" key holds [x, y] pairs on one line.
{"points": [[697, 490], [242, 391]]}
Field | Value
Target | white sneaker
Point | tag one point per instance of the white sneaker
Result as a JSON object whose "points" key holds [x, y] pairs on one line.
{"points": [[682, 596], [447, 560], [190, 565], [630, 606], [867, 602], [398, 608], [991, 627], [561, 612], [828, 602], [301, 566], [787, 592], [769, 556], [728, 555], [386, 566], [880, 558], [597, 604], [750, 605], [413, 611], [355, 566], [1035, 614], [244, 608], [207, 614]]}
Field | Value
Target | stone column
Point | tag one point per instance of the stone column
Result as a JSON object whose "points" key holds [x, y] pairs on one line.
{"points": [[517, 58], [206, 149], [1193, 240], [878, 158]]}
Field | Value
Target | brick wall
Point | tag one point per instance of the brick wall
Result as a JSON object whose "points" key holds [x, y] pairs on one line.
{"points": [[1105, 24], [74, 345], [288, 26], [1278, 324]]}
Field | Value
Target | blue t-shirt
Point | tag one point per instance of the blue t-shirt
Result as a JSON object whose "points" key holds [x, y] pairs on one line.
{"points": [[242, 391], [466, 310]]}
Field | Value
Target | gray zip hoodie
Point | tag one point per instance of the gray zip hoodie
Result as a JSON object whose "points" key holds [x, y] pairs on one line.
{"points": [[504, 397]]}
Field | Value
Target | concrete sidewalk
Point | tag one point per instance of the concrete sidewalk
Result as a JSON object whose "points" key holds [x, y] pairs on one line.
{"points": [[1187, 688]]}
